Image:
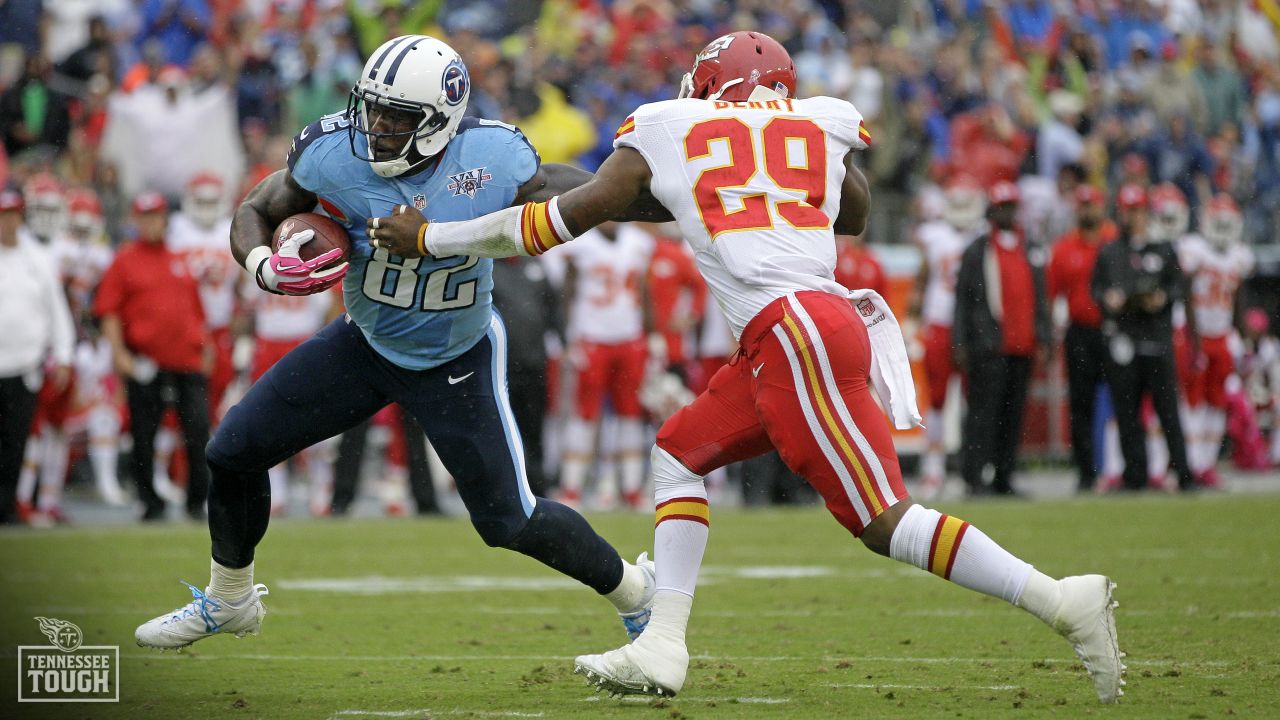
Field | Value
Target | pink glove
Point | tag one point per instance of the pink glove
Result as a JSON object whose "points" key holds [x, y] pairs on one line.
{"points": [[286, 273]]}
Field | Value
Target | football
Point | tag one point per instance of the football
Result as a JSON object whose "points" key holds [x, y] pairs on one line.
{"points": [[329, 235]]}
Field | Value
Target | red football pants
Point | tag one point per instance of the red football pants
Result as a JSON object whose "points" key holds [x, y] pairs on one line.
{"points": [[616, 370], [938, 364], [799, 385]]}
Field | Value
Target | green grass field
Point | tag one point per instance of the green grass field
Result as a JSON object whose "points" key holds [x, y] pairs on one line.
{"points": [[794, 619]]}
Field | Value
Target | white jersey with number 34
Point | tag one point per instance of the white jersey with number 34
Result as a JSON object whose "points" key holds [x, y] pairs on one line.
{"points": [[754, 187]]}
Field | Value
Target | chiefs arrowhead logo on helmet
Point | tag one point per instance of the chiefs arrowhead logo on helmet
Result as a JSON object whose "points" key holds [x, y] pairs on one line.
{"points": [[732, 66]]}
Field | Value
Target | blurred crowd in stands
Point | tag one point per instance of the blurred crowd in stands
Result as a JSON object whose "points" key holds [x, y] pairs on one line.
{"points": [[105, 102]]}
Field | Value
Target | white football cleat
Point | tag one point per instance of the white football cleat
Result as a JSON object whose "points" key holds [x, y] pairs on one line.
{"points": [[636, 621], [1087, 620], [649, 666], [202, 617]]}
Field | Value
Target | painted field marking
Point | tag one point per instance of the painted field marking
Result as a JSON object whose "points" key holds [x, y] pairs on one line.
{"points": [[890, 686], [709, 658], [427, 713], [692, 698]]}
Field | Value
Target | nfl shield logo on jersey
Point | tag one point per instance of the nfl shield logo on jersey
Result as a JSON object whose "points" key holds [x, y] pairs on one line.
{"points": [[469, 183], [419, 201], [866, 307]]}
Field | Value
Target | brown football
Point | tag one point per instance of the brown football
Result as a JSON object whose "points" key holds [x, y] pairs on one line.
{"points": [[329, 235]]}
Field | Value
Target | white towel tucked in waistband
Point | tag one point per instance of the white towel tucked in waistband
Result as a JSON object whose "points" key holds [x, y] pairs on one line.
{"points": [[890, 368]]}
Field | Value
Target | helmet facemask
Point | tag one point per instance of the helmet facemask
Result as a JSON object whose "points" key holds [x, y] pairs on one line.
{"points": [[203, 204], [1171, 220], [401, 127], [1223, 229]]}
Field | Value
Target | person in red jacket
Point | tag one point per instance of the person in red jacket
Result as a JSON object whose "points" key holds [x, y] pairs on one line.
{"points": [[1070, 275], [149, 306], [678, 296], [857, 267]]}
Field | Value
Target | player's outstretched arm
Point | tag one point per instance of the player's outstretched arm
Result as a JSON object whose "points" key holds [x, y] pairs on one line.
{"points": [[553, 179], [855, 200], [528, 229]]}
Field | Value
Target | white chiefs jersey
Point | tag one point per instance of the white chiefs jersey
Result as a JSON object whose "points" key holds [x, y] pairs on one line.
{"points": [[1215, 278], [288, 318], [80, 266], [941, 246], [207, 252], [606, 296], [754, 187]]}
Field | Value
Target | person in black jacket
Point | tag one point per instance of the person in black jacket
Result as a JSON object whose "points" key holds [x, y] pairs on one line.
{"points": [[1001, 318], [522, 293], [1136, 282]]}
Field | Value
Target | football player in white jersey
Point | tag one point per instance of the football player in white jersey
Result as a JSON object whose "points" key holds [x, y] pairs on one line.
{"points": [[1216, 263], [942, 242], [199, 233], [758, 182], [610, 319]]}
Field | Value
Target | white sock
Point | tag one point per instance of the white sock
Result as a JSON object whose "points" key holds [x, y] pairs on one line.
{"points": [[579, 442], [630, 437], [670, 615], [628, 595], [231, 585], [53, 475], [1157, 454], [30, 467], [954, 550], [683, 523], [1214, 427], [1112, 458], [320, 473], [279, 477]]}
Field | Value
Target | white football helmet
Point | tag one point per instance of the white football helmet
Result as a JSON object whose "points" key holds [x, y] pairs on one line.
{"points": [[1221, 222], [205, 199], [46, 205], [964, 204], [416, 87], [1172, 216]]}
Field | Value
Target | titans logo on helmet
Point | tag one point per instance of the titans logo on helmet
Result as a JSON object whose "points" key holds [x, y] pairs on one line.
{"points": [[455, 82]]}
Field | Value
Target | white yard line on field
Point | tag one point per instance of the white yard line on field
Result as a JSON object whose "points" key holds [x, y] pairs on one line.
{"points": [[709, 658], [692, 698], [890, 686], [429, 713]]}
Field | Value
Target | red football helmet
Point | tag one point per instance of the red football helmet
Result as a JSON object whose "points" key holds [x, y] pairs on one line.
{"points": [[732, 66]]}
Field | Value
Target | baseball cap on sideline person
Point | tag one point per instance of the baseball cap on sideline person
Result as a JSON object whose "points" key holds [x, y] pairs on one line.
{"points": [[149, 202], [1131, 196]]}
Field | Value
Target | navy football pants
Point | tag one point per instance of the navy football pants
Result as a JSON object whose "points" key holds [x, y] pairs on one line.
{"points": [[334, 381]]}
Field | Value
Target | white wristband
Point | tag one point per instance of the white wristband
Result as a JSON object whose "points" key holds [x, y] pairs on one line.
{"points": [[255, 257]]}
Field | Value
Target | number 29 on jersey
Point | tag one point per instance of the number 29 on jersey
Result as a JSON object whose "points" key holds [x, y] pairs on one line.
{"points": [[795, 160]]}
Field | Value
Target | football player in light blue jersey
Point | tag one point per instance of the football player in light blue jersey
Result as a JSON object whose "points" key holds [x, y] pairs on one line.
{"points": [[420, 331]]}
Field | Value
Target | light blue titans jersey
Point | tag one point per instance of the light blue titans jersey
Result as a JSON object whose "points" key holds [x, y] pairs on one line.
{"points": [[416, 312]]}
